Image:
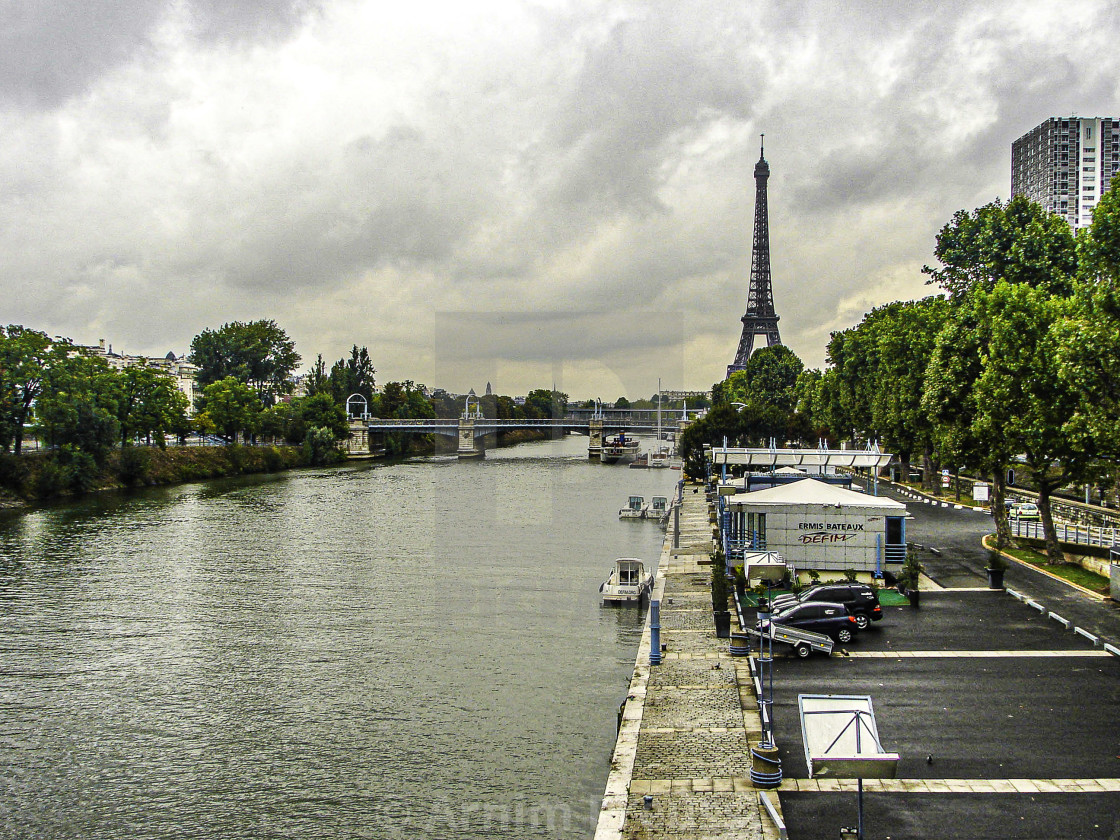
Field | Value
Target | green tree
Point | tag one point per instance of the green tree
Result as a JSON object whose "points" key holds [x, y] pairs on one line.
{"points": [[322, 412], [232, 406], [401, 400], [353, 375], [282, 421], [1088, 340], [24, 357], [1017, 241], [541, 404], [1021, 396], [149, 404], [769, 378], [77, 407], [880, 372], [318, 381], [1003, 266], [258, 354]]}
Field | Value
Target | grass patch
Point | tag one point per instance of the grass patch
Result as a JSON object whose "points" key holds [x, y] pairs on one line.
{"points": [[1066, 571]]}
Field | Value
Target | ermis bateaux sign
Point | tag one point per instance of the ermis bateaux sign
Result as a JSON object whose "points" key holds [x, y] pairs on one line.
{"points": [[827, 532]]}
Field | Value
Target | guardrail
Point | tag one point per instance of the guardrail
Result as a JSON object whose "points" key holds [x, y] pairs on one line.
{"points": [[502, 423], [1079, 534]]}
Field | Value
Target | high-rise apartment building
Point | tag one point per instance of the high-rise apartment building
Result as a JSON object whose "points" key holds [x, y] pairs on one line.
{"points": [[1066, 164]]}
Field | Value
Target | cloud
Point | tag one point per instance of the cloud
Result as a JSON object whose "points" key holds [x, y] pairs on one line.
{"points": [[575, 173]]}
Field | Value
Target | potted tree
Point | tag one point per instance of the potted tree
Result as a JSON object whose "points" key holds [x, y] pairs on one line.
{"points": [[910, 578], [997, 565], [720, 593], [740, 582]]}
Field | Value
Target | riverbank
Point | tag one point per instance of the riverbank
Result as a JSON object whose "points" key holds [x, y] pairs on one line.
{"points": [[28, 479], [681, 765]]}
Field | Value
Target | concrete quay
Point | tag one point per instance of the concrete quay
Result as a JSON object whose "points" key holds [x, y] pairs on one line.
{"points": [[687, 723]]}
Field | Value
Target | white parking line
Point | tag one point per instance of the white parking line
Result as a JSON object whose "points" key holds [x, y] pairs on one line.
{"points": [[961, 654]]}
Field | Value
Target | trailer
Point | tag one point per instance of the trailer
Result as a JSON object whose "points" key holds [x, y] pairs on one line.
{"points": [[803, 642]]}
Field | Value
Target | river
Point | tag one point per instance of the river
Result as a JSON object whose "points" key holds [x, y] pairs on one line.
{"points": [[413, 649]]}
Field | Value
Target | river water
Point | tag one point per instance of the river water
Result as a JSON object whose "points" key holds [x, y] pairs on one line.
{"points": [[386, 650]]}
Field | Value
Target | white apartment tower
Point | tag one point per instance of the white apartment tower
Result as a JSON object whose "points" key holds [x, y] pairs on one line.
{"points": [[1066, 164]]}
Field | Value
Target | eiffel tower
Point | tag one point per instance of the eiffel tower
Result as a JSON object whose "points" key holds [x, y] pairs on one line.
{"points": [[760, 319]]}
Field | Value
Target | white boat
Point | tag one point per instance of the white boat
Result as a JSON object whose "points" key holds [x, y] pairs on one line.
{"points": [[636, 508], [659, 510], [659, 458], [619, 449], [628, 582]]}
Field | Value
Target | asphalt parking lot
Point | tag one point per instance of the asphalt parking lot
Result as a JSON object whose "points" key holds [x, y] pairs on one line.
{"points": [[1007, 723]]}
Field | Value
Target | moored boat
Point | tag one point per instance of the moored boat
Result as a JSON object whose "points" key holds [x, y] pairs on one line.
{"points": [[636, 508], [628, 582], [619, 449]]}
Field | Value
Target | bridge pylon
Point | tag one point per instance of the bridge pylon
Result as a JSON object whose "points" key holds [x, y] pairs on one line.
{"points": [[357, 444], [469, 447], [595, 438]]}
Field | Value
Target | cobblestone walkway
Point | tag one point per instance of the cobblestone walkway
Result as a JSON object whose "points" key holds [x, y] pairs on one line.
{"points": [[688, 722]]}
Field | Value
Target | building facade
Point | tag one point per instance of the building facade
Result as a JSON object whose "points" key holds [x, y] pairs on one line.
{"points": [[1066, 164], [815, 525], [178, 368]]}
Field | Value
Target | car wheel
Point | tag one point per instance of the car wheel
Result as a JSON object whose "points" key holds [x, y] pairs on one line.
{"points": [[862, 621], [802, 650], [844, 635]]}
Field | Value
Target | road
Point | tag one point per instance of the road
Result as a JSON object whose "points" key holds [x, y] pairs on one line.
{"points": [[1005, 721], [960, 561]]}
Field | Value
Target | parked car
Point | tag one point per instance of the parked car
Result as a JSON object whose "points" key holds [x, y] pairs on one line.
{"points": [[832, 619], [862, 600], [1024, 512]]}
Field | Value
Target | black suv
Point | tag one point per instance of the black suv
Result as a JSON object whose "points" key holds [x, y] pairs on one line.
{"points": [[860, 599], [834, 620]]}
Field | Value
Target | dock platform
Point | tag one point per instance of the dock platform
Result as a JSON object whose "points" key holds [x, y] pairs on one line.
{"points": [[682, 762]]}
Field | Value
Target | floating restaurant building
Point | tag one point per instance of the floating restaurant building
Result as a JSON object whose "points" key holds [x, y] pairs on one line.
{"points": [[817, 525]]}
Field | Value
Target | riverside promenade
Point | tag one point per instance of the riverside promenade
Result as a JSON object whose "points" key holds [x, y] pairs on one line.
{"points": [[687, 723]]}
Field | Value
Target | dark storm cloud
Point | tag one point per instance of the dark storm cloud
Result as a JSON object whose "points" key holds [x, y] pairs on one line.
{"points": [[354, 169], [51, 51]]}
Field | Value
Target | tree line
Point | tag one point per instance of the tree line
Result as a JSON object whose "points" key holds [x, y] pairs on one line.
{"points": [[1014, 364], [81, 407]]}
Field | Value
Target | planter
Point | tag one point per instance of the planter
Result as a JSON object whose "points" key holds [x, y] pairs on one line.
{"points": [[723, 623], [995, 578]]}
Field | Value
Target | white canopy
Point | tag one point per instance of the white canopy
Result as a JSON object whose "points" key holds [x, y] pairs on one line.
{"points": [[809, 491]]}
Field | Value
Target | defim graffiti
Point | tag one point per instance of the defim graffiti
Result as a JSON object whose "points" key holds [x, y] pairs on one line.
{"points": [[828, 532]]}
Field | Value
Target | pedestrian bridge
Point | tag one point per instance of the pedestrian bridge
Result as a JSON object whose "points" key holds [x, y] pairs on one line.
{"points": [[471, 430]]}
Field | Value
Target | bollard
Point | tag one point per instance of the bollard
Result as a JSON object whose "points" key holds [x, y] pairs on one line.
{"points": [[740, 645], [766, 766], [655, 632]]}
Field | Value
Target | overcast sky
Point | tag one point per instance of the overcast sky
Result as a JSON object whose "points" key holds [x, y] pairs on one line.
{"points": [[520, 192]]}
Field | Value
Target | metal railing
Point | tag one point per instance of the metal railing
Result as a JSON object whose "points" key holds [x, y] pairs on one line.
{"points": [[1076, 534]]}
